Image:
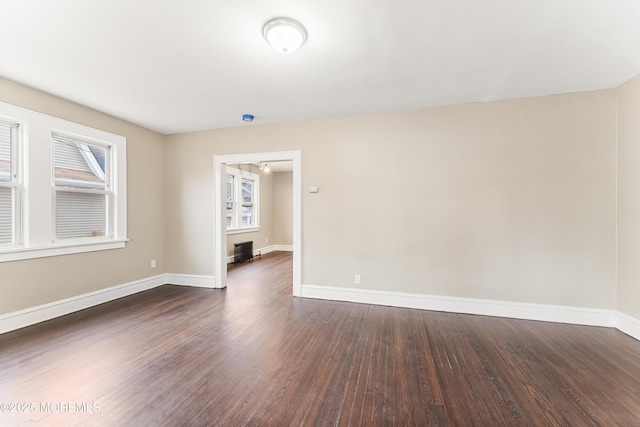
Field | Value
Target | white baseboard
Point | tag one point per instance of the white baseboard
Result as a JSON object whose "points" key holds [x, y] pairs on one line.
{"points": [[190, 280], [33, 315], [264, 250], [516, 310], [284, 248], [30, 316], [549, 313], [627, 324]]}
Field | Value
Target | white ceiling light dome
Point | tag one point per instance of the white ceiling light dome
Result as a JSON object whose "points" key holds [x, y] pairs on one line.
{"points": [[285, 35]]}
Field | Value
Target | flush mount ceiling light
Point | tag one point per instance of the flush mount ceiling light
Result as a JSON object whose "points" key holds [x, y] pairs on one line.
{"points": [[285, 35]]}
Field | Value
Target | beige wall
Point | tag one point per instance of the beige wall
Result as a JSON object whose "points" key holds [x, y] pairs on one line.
{"points": [[33, 282], [283, 208], [265, 236], [629, 198], [511, 200]]}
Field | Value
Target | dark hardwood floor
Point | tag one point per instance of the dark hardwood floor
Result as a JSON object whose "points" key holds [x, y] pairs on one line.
{"points": [[253, 355]]}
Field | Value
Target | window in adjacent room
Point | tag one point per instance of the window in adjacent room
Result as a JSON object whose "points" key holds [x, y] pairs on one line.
{"points": [[230, 201], [10, 190], [248, 203], [242, 210]]}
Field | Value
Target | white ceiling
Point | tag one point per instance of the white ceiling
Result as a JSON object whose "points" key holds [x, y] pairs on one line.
{"points": [[176, 66]]}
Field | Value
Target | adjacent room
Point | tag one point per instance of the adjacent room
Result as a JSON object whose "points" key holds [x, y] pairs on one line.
{"points": [[342, 213]]}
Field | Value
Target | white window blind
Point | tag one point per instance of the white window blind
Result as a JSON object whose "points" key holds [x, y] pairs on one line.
{"points": [[6, 215], [9, 188], [6, 149], [80, 215], [82, 189]]}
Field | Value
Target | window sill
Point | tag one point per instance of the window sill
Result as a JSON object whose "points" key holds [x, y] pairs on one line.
{"points": [[57, 249], [242, 230]]}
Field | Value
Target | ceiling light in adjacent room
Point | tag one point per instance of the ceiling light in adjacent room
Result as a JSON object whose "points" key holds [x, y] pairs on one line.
{"points": [[285, 35]]}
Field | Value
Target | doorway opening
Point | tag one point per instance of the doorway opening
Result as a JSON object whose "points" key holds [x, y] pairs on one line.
{"points": [[220, 190]]}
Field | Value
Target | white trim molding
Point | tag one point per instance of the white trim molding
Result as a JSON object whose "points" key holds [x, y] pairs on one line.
{"points": [[190, 280], [284, 248], [265, 250], [21, 253], [627, 324], [41, 313], [220, 235], [515, 310], [242, 230]]}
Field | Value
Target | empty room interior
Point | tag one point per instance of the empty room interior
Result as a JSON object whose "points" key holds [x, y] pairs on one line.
{"points": [[320, 213]]}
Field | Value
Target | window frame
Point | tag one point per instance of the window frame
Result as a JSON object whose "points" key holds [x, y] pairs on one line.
{"points": [[35, 166], [240, 175], [82, 189]]}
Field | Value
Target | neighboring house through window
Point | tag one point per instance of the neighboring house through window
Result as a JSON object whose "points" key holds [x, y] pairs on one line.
{"points": [[82, 189], [242, 210]]}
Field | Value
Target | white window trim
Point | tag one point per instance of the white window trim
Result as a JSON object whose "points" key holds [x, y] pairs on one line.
{"points": [[239, 175], [242, 230], [35, 164]]}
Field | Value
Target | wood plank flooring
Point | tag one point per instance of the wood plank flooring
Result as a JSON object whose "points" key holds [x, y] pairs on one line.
{"points": [[254, 355]]}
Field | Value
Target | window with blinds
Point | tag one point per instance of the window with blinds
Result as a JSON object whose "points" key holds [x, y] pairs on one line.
{"points": [[76, 198], [82, 189], [9, 186]]}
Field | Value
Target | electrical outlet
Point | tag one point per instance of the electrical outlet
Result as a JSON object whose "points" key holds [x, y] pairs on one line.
{"points": [[356, 279], [266, 240], [153, 263]]}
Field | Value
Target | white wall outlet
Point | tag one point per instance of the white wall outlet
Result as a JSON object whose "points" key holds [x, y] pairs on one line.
{"points": [[266, 240], [153, 263], [313, 189], [356, 279]]}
